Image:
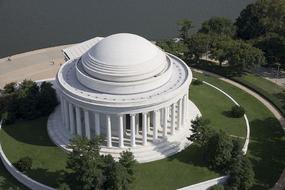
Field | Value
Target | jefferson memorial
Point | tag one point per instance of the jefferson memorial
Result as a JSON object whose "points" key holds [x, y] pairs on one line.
{"points": [[129, 91]]}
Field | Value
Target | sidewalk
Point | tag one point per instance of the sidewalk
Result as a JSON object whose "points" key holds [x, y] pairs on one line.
{"points": [[35, 65]]}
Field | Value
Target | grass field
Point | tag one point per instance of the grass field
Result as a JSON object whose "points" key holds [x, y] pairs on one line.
{"points": [[185, 168], [266, 88]]}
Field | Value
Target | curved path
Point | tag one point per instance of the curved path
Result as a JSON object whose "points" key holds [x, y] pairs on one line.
{"points": [[280, 184]]}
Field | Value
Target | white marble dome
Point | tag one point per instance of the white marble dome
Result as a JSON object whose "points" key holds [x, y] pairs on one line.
{"points": [[130, 91]]}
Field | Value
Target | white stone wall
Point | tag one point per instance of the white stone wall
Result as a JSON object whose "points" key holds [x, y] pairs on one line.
{"points": [[206, 184]]}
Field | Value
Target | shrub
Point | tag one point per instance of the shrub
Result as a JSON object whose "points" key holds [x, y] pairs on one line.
{"points": [[197, 82], [237, 111], [217, 187], [24, 164], [63, 186], [8, 117]]}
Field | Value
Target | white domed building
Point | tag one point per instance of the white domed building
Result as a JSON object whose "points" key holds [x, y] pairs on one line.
{"points": [[129, 91]]}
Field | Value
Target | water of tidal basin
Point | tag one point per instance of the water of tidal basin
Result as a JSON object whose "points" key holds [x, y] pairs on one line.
{"points": [[31, 24]]}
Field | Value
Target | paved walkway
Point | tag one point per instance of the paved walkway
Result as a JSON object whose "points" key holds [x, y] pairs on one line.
{"points": [[280, 184], [35, 65]]}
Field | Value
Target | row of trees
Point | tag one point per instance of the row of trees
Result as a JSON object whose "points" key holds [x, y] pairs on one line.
{"points": [[27, 100], [257, 37], [87, 169], [224, 154]]}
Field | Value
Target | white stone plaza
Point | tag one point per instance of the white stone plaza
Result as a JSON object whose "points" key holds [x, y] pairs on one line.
{"points": [[129, 91]]}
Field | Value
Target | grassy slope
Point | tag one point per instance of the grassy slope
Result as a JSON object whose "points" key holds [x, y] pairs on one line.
{"points": [[31, 139], [271, 91], [267, 144]]}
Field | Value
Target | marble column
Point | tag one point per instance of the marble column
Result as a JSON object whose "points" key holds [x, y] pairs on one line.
{"points": [[109, 131], [97, 123], [173, 119], [62, 110], [71, 118], [184, 110], [121, 131], [87, 124], [137, 123], [155, 125], [144, 128], [78, 121], [179, 114], [165, 117], [66, 114], [133, 130]]}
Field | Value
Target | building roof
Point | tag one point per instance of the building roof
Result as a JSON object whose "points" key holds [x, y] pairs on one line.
{"points": [[79, 49]]}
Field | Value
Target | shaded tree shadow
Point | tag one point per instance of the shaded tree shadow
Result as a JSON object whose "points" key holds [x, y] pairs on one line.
{"points": [[227, 114], [281, 97], [193, 154], [32, 132], [46, 177], [266, 151]]}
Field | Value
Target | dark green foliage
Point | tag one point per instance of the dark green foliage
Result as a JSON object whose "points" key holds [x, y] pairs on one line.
{"points": [[197, 82], [176, 48], [24, 164], [218, 26], [241, 174], [237, 111], [184, 28], [201, 132], [8, 117], [63, 186], [273, 46], [28, 101], [198, 44], [127, 160], [90, 170], [47, 99], [218, 151], [260, 18], [238, 54], [217, 187], [9, 88]]}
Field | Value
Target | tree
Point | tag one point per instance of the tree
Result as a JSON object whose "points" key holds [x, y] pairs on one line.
{"points": [[218, 151], [201, 132], [111, 172], [218, 26], [184, 28], [127, 160], [273, 46], [90, 170], [24, 164], [261, 17], [238, 54], [47, 98], [9, 88], [177, 48], [241, 174], [237, 111], [28, 100], [198, 44], [85, 164]]}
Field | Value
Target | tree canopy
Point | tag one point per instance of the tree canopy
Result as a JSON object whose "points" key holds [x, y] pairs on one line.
{"points": [[90, 170], [218, 26]]}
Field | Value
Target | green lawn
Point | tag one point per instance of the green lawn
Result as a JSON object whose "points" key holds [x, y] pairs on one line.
{"points": [[30, 138], [268, 89], [185, 168], [267, 140]]}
